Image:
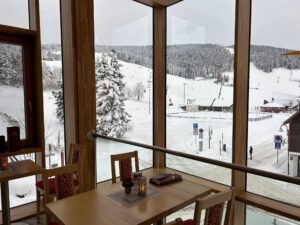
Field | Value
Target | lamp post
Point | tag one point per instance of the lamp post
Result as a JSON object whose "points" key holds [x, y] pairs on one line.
{"points": [[184, 93], [149, 86], [287, 134]]}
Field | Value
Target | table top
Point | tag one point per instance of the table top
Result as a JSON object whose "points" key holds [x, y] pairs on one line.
{"points": [[97, 207], [20, 169]]}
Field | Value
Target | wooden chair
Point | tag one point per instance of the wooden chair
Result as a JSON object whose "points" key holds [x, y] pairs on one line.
{"points": [[76, 155], [64, 184], [125, 165], [214, 205], [177, 221]]}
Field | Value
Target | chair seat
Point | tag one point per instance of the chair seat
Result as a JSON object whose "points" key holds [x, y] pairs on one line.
{"points": [[188, 222], [52, 223], [40, 185], [52, 190]]}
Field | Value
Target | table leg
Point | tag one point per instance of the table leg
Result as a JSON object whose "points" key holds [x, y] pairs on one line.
{"points": [[5, 203]]}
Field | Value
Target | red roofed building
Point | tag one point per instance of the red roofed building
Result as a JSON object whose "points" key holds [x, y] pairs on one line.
{"points": [[294, 143]]}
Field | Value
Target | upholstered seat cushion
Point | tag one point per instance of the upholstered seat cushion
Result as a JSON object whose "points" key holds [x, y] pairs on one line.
{"points": [[65, 183], [40, 185], [214, 216], [126, 169], [188, 222]]}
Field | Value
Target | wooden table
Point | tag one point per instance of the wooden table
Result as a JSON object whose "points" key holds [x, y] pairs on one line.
{"points": [[97, 207], [15, 170]]}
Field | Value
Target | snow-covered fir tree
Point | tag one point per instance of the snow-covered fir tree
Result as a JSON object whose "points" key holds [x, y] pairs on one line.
{"points": [[112, 119], [8, 75], [59, 101]]}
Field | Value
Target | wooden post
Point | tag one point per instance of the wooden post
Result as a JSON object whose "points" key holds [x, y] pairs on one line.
{"points": [[240, 110], [159, 82], [38, 111], [79, 80]]}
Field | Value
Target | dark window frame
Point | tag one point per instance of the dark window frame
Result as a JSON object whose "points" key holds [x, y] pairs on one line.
{"points": [[26, 42]]}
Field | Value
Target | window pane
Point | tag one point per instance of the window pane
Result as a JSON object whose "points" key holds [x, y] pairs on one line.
{"points": [[123, 44], [14, 13], [52, 82], [110, 147], [12, 111], [274, 87], [200, 76], [256, 216]]}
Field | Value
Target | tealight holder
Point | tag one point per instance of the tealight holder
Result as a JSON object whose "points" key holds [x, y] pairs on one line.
{"points": [[142, 186], [3, 163], [136, 176]]}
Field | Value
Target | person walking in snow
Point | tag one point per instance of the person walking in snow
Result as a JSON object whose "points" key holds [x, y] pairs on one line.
{"points": [[250, 152]]}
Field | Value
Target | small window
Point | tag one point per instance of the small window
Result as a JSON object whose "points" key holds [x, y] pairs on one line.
{"points": [[15, 87], [14, 13]]}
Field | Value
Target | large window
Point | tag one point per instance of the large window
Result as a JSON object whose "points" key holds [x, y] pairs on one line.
{"points": [[15, 87], [15, 100], [123, 43], [274, 88], [12, 100], [257, 216], [200, 52], [52, 82]]}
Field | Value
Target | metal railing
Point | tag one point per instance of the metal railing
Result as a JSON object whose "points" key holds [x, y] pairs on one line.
{"points": [[275, 176]]}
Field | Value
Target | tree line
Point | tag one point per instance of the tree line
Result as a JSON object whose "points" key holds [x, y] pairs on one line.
{"points": [[189, 61], [205, 60]]}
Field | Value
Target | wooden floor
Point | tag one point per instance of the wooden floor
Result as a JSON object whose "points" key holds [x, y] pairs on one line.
{"points": [[33, 221], [23, 213]]}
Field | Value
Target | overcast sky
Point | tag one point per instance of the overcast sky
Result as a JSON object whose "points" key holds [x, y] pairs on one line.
{"points": [[125, 22]]}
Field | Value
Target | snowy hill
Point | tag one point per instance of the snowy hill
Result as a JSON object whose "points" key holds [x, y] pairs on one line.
{"points": [[280, 83]]}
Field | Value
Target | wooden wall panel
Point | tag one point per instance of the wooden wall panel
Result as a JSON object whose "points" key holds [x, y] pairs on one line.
{"points": [[69, 71], [79, 79], [85, 52], [159, 82], [38, 106]]}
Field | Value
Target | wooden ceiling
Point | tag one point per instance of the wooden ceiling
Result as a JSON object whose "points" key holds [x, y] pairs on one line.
{"points": [[158, 3]]}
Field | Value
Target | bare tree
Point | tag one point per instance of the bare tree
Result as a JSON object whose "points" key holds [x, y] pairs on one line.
{"points": [[138, 90]]}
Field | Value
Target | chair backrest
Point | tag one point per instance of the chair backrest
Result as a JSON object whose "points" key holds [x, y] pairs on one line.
{"points": [[214, 206], [76, 154], [64, 181], [125, 166]]}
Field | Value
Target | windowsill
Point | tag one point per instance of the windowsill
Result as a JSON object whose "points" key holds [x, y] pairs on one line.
{"points": [[22, 212], [22, 151]]}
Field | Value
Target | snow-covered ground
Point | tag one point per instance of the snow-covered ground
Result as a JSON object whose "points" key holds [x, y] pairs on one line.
{"points": [[179, 128]]}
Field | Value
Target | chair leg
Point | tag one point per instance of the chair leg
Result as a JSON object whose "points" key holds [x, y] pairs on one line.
{"points": [[38, 203]]}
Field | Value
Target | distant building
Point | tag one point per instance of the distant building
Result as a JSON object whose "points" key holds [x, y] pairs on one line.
{"points": [[294, 143], [217, 105], [273, 107]]}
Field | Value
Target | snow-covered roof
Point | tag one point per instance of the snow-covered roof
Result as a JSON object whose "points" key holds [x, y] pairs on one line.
{"points": [[223, 102], [291, 118], [214, 103], [273, 105], [203, 101]]}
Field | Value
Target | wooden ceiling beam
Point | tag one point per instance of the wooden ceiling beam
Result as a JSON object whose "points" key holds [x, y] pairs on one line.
{"points": [[158, 3], [292, 53]]}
